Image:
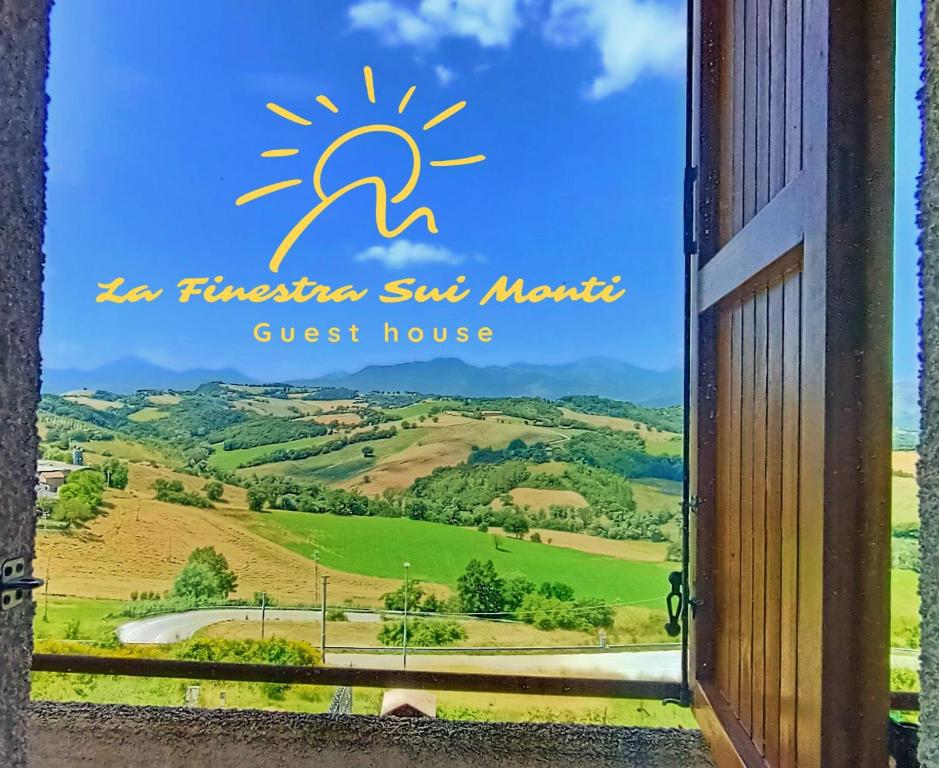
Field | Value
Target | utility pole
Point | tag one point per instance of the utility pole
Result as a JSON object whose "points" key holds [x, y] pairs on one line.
{"points": [[263, 611], [323, 623], [407, 588], [45, 610], [316, 577]]}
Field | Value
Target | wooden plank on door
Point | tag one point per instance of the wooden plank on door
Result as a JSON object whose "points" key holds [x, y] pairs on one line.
{"points": [[737, 125], [722, 518], [789, 520], [759, 515], [761, 118], [793, 108], [733, 638], [777, 96], [774, 475], [744, 699], [749, 110]]}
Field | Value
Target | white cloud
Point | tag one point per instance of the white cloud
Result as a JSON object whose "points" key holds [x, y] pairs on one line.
{"points": [[631, 37], [404, 253], [488, 22], [444, 74]]}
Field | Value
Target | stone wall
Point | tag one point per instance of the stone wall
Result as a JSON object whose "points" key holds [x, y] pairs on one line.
{"points": [[928, 471], [23, 60], [66, 735]]}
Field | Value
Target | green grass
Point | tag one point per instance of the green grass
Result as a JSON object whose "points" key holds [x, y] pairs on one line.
{"points": [[230, 460], [336, 466], [415, 411], [672, 447], [905, 500], [150, 413], [84, 618], [904, 597], [654, 495], [134, 450], [439, 553]]}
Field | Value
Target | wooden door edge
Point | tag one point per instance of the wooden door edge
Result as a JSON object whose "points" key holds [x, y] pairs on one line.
{"points": [[730, 745]]}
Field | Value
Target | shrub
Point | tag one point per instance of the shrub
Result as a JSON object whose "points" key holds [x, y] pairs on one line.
{"points": [[72, 511], [213, 490], [426, 633], [256, 499], [173, 492], [115, 473], [84, 485], [205, 576]]}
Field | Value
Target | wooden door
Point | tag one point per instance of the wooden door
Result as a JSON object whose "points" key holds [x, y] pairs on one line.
{"points": [[790, 388]]}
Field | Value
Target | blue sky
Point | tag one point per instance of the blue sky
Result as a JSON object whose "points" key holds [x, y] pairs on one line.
{"points": [[157, 120]]}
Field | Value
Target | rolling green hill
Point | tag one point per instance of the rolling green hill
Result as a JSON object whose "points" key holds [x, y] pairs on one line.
{"points": [[439, 553]]}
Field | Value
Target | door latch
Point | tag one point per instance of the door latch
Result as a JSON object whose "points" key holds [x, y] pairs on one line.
{"points": [[14, 583], [673, 602]]}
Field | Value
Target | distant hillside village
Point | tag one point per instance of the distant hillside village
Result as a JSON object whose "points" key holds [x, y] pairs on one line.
{"points": [[51, 475]]}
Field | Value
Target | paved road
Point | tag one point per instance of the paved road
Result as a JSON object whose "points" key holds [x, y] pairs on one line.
{"points": [[174, 627], [632, 665]]}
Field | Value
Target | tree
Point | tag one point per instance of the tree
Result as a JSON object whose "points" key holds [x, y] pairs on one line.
{"points": [[556, 589], [256, 499], [205, 576], [197, 582], [480, 588], [517, 585], [516, 524], [214, 490], [115, 473], [394, 601], [425, 633], [368, 452], [72, 511], [84, 485]]}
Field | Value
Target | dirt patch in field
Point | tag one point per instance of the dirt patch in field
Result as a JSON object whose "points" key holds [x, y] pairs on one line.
{"points": [[402, 469], [543, 498], [325, 406], [346, 419], [652, 437], [646, 551], [905, 461], [93, 402], [447, 443], [165, 399], [127, 550]]}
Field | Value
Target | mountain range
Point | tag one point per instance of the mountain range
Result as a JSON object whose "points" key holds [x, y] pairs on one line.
{"points": [[128, 374], [441, 376], [451, 376]]}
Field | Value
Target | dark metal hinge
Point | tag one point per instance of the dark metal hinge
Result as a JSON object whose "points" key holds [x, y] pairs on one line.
{"points": [[14, 583], [673, 603]]}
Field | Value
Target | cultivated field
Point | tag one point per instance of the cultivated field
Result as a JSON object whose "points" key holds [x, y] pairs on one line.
{"points": [[657, 441], [439, 553], [118, 553]]}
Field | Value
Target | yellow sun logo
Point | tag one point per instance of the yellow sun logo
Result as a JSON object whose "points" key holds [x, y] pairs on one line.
{"points": [[381, 190]]}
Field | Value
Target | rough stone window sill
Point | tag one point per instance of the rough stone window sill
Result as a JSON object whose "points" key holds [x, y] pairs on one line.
{"points": [[62, 735]]}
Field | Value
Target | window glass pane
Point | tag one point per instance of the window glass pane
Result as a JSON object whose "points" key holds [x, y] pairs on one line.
{"points": [[368, 312]]}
